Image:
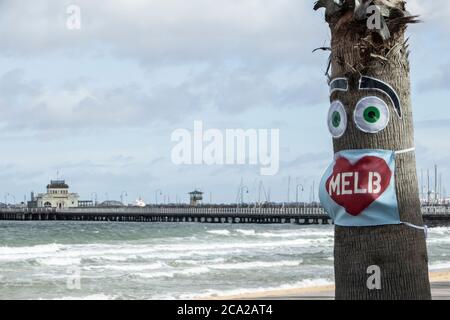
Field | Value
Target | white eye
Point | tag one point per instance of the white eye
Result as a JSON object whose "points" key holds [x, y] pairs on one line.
{"points": [[337, 119], [371, 115]]}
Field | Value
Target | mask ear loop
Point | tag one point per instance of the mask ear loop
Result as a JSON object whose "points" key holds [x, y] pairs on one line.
{"points": [[405, 151], [425, 227]]}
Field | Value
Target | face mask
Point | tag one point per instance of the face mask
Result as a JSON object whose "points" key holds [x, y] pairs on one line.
{"points": [[358, 188]]}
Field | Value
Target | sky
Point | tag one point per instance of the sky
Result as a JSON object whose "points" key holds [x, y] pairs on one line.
{"points": [[97, 106]]}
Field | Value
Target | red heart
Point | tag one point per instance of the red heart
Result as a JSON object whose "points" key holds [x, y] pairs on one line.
{"points": [[347, 183]]}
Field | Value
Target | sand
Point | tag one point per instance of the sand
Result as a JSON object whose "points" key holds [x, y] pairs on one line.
{"points": [[440, 287]]}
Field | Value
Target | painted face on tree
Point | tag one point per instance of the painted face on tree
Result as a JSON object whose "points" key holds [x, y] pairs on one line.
{"points": [[371, 114], [358, 188]]}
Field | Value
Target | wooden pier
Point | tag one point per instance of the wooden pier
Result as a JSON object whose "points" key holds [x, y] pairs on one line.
{"points": [[305, 216], [149, 214]]}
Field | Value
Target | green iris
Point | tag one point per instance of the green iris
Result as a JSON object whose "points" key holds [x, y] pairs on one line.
{"points": [[336, 119], [372, 114]]}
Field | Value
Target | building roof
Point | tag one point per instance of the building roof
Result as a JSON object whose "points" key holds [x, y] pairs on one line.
{"points": [[196, 192], [61, 184]]}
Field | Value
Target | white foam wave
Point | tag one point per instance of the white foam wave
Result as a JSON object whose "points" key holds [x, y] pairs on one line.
{"points": [[44, 248], [287, 234], [128, 267], [99, 296], [440, 265], [203, 261], [171, 274], [307, 283], [124, 252], [59, 261], [439, 231], [219, 232], [255, 265], [246, 232], [208, 268]]}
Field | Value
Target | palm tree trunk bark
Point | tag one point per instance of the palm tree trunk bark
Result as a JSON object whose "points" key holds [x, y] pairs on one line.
{"points": [[398, 250]]}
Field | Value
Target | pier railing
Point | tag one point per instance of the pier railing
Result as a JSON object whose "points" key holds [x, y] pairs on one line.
{"points": [[438, 210], [189, 210]]}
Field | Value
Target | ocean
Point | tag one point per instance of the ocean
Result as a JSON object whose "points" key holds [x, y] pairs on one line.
{"points": [[86, 260]]}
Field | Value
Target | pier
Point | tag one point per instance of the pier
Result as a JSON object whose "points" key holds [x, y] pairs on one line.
{"points": [[433, 216], [149, 214]]}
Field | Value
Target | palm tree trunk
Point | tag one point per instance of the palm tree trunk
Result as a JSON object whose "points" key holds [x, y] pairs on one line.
{"points": [[399, 250]]}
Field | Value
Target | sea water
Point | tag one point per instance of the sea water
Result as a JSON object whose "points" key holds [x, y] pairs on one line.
{"points": [[87, 260]]}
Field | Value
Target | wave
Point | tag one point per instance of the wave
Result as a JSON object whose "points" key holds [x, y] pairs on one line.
{"points": [[98, 296], [197, 262], [255, 265], [306, 283], [440, 265], [128, 267], [219, 232], [209, 268], [171, 274], [439, 231], [246, 232], [286, 234], [59, 261], [43, 248], [439, 240], [146, 251]]}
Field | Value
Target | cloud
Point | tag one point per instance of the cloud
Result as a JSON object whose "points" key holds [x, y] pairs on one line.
{"points": [[85, 104], [162, 30], [434, 13], [308, 159], [440, 80], [232, 47], [431, 124], [32, 105]]}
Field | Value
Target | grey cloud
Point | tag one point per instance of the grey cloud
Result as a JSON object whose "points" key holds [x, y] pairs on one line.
{"points": [[320, 159], [92, 105], [30, 105], [431, 124], [440, 80], [306, 94], [163, 30]]}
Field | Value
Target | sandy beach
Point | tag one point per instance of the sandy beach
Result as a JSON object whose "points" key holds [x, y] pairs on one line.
{"points": [[440, 287]]}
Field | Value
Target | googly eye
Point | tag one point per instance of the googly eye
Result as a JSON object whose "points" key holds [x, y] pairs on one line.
{"points": [[337, 119], [371, 115]]}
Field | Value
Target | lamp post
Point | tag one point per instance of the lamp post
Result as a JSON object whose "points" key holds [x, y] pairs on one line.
{"points": [[296, 192], [6, 199], [121, 196], [242, 193], [94, 199], [156, 195]]}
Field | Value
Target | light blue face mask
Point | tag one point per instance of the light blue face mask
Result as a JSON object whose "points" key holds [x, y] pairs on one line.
{"points": [[358, 188]]}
